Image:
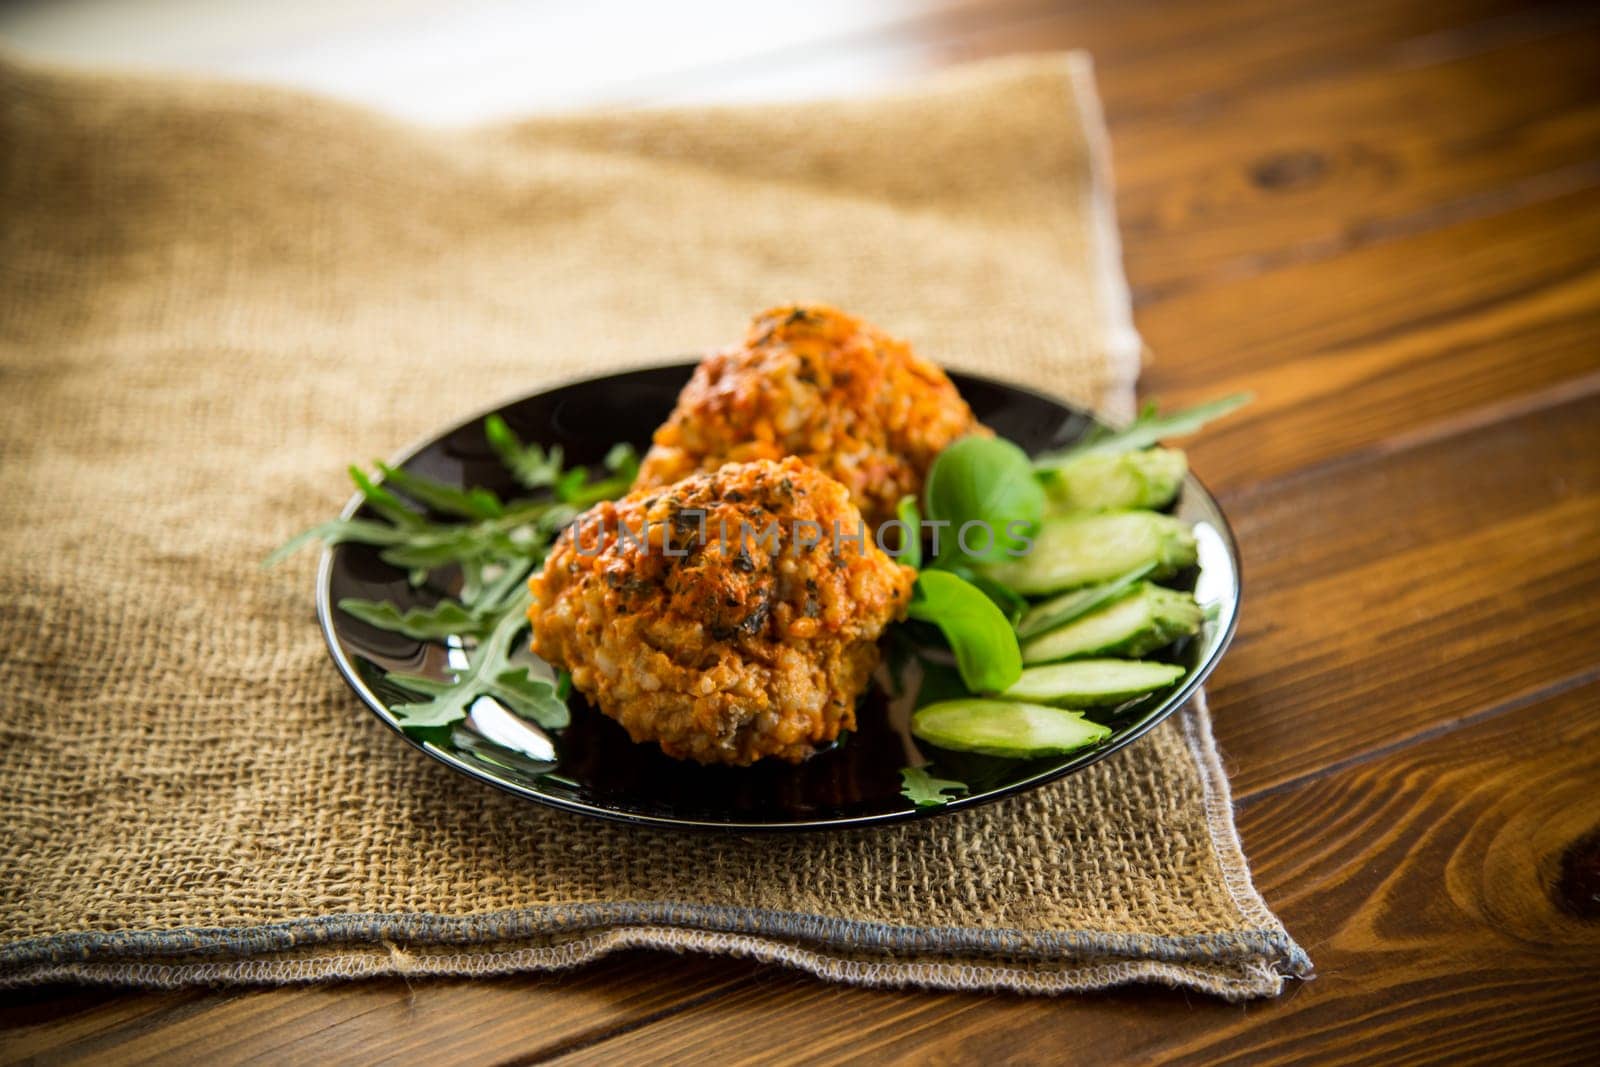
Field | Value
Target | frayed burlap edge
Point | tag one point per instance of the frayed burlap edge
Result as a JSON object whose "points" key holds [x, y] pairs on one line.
{"points": [[1233, 966]]}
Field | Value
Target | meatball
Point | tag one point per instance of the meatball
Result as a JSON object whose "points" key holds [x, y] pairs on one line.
{"points": [[727, 617], [813, 382]]}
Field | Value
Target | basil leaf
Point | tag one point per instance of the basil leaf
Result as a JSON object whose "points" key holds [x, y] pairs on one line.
{"points": [[985, 480], [982, 639], [1010, 603], [911, 535]]}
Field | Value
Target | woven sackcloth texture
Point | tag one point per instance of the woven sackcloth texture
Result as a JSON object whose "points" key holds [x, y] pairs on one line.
{"points": [[213, 297]]}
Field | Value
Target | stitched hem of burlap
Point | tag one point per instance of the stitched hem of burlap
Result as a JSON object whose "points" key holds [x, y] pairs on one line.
{"points": [[1234, 982], [1235, 965]]}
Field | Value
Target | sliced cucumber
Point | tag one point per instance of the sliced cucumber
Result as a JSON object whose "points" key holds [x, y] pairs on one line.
{"points": [[1084, 549], [1060, 610], [1005, 728], [1140, 622], [1148, 478], [1088, 683]]}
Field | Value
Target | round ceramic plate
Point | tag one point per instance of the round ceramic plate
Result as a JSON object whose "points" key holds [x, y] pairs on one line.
{"points": [[591, 767]]}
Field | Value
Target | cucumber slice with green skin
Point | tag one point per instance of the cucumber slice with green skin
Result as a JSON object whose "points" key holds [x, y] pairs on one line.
{"points": [[1143, 621], [1084, 549], [1090, 683], [1060, 610], [1149, 478], [1005, 728]]}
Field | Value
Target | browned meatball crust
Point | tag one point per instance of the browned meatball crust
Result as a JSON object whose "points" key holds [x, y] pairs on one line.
{"points": [[746, 643], [813, 382]]}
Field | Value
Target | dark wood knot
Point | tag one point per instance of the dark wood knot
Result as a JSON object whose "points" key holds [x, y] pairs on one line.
{"points": [[1578, 885], [1288, 170]]}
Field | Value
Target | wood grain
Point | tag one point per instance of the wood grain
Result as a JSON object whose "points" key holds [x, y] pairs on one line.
{"points": [[1425, 329], [1387, 597], [1423, 881], [1317, 167], [1382, 217], [383, 1020]]}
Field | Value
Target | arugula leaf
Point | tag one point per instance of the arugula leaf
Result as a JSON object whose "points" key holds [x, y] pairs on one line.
{"points": [[926, 791], [982, 639], [338, 532], [488, 672], [499, 592], [1146, 430], [985, 480], [445, 619], [911, 537], [531, 465], [575, 488], [382, 501], [495, 545], [472, 503]]}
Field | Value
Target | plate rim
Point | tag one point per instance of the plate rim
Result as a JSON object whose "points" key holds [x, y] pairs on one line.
{"points": [[1175, 701]]}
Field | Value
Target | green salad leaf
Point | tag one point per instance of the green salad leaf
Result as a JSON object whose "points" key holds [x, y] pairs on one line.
{"points": [[488, 673], [575, 488], [989, 481], [494, 544], [1011, 603], [448, 618], [471, 616], [911, 536], [445, 499], [532, 465], [1146, 430], [926, 791], [981, 637], [536, 467]]}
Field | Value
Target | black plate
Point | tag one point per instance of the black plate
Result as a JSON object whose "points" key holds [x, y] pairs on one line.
{"points": [[591, 767]]}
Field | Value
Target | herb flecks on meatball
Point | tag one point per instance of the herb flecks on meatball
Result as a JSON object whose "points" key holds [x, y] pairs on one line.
{"points": [[813, 382], [728, 617]]}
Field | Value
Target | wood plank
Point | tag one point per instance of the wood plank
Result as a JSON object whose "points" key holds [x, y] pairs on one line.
{"points": [[1321, 166], [1426, 885], [44, 1022], [1186, 61], [1388, 596], [1345, 353], [381, 1020]]}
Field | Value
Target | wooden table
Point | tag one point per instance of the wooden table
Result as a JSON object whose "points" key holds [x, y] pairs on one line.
{"points": [[1382, 216]]}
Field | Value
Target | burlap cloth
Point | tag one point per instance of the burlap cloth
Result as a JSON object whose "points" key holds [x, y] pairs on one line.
{"points": [[214, 297]]}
